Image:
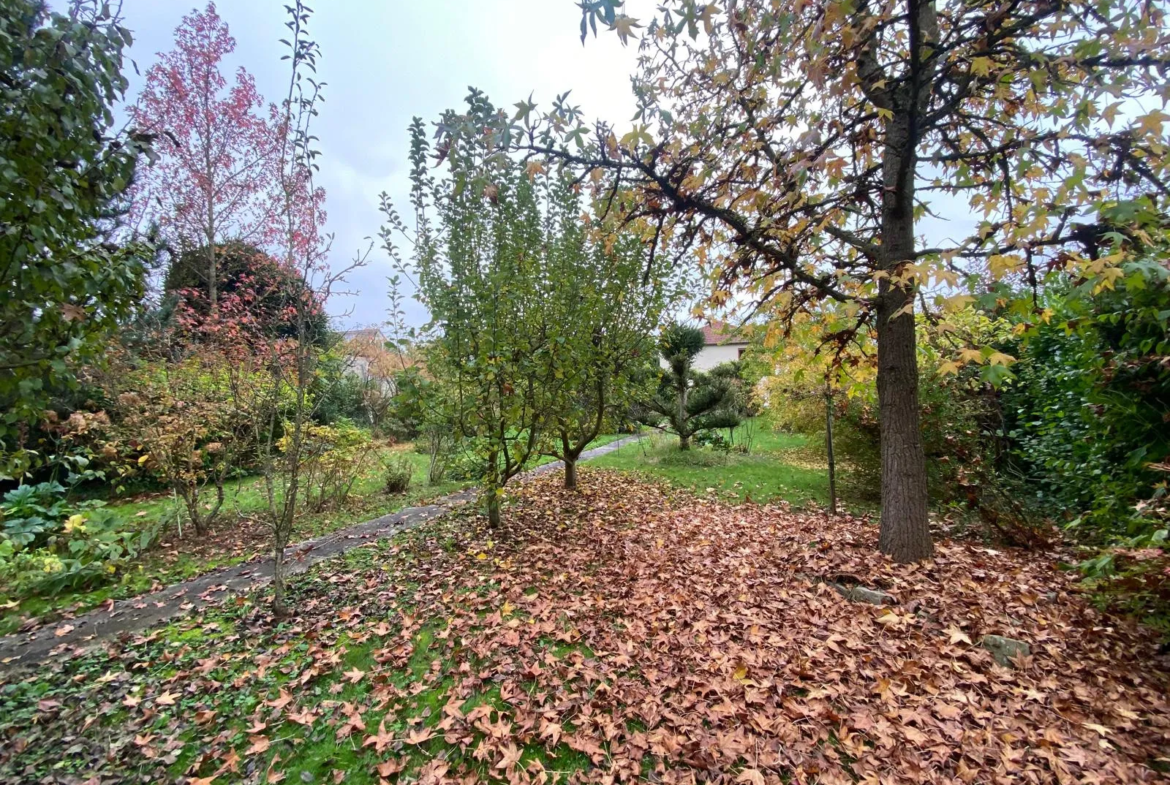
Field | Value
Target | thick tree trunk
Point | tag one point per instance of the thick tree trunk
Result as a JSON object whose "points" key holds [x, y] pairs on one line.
{"points": [[571, 473], [684, 441], [905, 534]]}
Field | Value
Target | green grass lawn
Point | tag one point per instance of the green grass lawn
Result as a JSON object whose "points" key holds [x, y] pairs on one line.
{"points": [[776, 467], [237, 536]]}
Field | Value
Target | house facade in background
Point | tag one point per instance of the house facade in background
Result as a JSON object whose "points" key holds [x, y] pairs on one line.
{"points": [[721, 344]]}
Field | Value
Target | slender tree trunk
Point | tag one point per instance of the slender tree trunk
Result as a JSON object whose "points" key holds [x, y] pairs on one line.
{"points": [[279, 603], [829, 443], [571, 473], [212, 275], [905, 534], [684, 436]]}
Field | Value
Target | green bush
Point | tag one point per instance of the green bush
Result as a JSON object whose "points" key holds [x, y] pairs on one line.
{"points": [[463, 465], [1087, 416], [333, 458], [399, 471], [49, 545], [339, 394]]}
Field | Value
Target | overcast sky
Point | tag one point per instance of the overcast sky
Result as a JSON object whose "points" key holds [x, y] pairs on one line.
{"points": [[386, 61]]}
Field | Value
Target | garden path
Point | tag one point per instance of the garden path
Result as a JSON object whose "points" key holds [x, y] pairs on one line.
{"points": [[137, 613]]}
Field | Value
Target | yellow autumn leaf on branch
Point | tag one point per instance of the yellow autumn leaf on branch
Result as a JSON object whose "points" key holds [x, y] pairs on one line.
{"points": [[948, 368], [981, 66], [999, 358], [1002, 264], [1107, 278], [957, 303]]}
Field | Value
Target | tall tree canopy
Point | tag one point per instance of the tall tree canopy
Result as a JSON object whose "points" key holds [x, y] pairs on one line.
{"points": [[64, 284], [218, 176], [796, 148]]}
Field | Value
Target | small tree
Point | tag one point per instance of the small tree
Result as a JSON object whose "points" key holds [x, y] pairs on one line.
{"points": [[689, 401], [217, 178], [281, 410], [480, 256], [605, 307]]}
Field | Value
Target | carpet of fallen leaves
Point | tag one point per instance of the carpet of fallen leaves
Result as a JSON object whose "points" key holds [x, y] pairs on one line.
{"points": [[623, 633]]}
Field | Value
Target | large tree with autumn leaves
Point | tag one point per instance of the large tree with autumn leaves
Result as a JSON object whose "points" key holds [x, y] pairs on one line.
{"points": [[797, 149]]}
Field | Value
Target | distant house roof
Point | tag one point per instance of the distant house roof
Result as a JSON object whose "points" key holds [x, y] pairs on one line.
{"points": [[721, 334]]}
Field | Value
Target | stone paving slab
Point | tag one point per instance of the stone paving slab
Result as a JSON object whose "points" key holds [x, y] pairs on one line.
{"points": [[138, 613]]}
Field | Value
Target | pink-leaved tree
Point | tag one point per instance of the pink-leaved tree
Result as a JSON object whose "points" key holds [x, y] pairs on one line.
{"points": [[218, 176]]}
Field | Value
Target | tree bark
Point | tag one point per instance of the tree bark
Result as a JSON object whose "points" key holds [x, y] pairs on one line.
{"points": [[493, 508], [570, 473], [279, 604], [905, 534], [212, 276], [832, 457], [191, 500]]}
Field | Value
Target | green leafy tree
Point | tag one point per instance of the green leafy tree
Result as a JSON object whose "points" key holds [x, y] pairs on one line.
{"points": [[66, 282], [689, 401], [479, 258], [605, 307]]}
